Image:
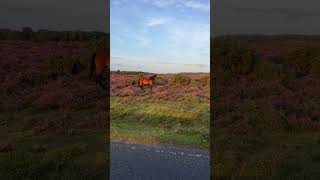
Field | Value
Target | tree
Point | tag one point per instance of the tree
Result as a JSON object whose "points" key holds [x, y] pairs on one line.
{"points": [[27, 33]]}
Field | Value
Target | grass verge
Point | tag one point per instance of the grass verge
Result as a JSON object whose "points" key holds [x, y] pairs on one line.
{"points": [[162, 122]]}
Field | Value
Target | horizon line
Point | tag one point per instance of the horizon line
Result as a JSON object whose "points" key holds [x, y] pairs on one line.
{"points": [[159, 73], [263, 34]]}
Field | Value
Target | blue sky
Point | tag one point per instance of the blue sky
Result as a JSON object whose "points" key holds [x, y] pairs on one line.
{"points": [[160, 36]]}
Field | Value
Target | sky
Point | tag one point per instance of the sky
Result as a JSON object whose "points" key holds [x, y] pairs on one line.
{"points": [[59, 15], [164, 25], [265, 17], [229, 16], [160, 36]]}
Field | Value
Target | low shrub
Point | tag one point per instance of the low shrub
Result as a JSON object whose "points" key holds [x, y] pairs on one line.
{"points": [[161, 81], [205, 81], [222, 77], [298, 62], [131, 82], [267, 70], [7, 147], [180, 79], [58, 65], [233, 57]]}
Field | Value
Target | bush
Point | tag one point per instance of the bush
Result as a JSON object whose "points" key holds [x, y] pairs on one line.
{"points": [[267, 70], [161, 81], [180, 79], [27, 33], [141, 73], [58, 65], [299, 61], [205, 80], [222, 77], [233, 57], [202, 81], [131, 82]]}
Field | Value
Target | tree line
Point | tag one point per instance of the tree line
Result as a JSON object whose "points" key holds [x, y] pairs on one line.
{"points": [[28, 34]]}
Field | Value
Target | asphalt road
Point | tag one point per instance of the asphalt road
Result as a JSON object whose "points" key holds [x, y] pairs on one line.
{"points": [[133, 161]]}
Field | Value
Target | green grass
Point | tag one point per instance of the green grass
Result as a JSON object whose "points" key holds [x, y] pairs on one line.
{"points": [[163, 122]]}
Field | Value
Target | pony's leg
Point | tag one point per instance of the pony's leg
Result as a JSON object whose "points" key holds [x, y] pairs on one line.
{"points": [[105, 100], [100, 83], [97, 82]]}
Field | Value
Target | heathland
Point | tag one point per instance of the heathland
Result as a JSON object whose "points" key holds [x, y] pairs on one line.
{"points": [[265, 107], [52, 121], [176, 110]]}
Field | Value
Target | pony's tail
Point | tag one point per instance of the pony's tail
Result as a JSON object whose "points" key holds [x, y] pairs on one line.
{"points": [[92, 65]]}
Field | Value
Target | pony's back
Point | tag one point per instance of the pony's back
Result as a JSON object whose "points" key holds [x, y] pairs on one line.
{"points": [[102, 61], [146, 80]]}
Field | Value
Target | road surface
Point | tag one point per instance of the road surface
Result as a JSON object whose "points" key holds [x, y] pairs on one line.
{"points": [[144, 162]]}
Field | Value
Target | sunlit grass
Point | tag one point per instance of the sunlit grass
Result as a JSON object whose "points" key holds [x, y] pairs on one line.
{"points": [[160, 122]]}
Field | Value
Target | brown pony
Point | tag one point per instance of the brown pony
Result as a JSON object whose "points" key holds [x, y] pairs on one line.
{"points": [[146, 80], [100, 63]]}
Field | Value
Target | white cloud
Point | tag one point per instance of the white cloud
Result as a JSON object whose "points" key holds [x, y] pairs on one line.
{"points": [[189, 36], [159, 37], [198, 5], [157, 21], [193, 4], [118, 2], [160, 3], [127, 34], [188, 42]]}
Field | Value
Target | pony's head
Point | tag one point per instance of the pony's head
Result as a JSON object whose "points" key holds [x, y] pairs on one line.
{"points": [[154, 76]]}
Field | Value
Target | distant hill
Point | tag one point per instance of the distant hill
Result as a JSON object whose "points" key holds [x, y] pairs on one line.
{"points": [[145, 73], [28, 34], [264, 38], [271, 45]]}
